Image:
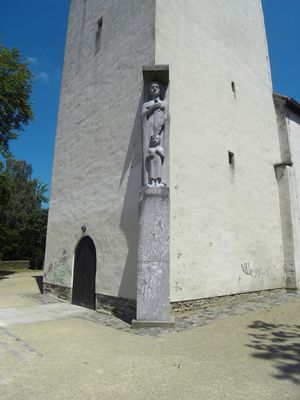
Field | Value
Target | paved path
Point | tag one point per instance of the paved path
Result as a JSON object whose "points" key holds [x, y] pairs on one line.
{"points": [[248, 347], [39, 313]]}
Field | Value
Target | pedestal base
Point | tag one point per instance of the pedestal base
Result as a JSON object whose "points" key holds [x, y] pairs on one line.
{"points": [[153, 324]]}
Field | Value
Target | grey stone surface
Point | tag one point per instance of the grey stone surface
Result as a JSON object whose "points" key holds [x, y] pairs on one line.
{"points": [[62, 292], [153, 275], [120, 307], [153, 324]]}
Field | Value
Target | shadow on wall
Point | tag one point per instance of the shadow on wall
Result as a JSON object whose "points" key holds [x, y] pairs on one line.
{"points": [[130, 210], [279, 344]]}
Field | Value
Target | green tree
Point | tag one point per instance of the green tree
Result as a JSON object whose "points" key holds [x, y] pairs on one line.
{"points": [[23, 223], [27, 195], [9, 238], [15, 91], [23, 220]]}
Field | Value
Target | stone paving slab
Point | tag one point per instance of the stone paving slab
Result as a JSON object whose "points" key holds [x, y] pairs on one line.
{"points": [[38, 313]]}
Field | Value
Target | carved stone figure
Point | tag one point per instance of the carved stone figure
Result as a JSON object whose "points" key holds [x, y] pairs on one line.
{"points": [[154, 113]]}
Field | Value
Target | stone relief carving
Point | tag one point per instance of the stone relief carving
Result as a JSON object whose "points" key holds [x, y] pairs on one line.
{"points": [[154, 114]]}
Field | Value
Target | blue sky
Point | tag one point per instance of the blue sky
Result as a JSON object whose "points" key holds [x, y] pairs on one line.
{"points": [[282, 21], [38, 29]]}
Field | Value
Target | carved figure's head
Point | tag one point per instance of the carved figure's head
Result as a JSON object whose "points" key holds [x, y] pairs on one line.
{"points": [[155, 89], [155, 140]]}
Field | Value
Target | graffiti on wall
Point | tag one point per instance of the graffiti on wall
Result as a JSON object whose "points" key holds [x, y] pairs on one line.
{"points": [[59, 272], [257, 272]]}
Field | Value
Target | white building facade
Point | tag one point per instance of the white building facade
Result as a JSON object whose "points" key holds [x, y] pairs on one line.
{"points": [[228, 229], [288, 177]]}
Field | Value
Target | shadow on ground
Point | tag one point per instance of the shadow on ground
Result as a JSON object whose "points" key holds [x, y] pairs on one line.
{"points": [[280, 344], [39, 282], [5, 274], [125, 316]]}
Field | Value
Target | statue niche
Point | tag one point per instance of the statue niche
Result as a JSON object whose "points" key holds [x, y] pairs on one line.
{"points": [[154, 114]]}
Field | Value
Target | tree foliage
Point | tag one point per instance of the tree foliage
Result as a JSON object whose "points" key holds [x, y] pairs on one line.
{"points": [[15, 91], [23, 220]]}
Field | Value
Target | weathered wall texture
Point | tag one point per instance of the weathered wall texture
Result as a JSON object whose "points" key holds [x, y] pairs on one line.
{"points": [[225, 228], [288, 176], [225, 219], [97, 166], [294, 129], [153, 275]]}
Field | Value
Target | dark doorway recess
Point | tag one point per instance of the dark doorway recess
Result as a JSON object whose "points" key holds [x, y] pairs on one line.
{"points": [[84, 274]]}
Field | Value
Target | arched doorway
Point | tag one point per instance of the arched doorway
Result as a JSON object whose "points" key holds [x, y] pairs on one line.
{"points": [[83, 293]]}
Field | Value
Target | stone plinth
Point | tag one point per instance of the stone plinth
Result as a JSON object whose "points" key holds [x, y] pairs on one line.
{"points": [[153, 275]]}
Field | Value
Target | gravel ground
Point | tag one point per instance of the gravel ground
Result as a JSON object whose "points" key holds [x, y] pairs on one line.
{"points": [[238, 347]]}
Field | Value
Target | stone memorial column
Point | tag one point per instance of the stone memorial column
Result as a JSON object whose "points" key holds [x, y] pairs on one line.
{"points": [[153, 271]]}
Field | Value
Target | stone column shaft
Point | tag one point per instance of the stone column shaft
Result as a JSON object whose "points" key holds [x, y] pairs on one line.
{"points": [[153, 280]]}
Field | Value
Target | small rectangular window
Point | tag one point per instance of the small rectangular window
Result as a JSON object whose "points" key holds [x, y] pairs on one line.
{"points": [[231, 158]]}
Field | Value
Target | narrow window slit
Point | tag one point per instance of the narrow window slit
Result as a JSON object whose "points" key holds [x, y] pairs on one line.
{"points": [[231, 158], [98, 35], [233, 88], [99, 24]]}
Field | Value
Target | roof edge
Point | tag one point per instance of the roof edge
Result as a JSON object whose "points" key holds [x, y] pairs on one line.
{"points": [[290, 103]]}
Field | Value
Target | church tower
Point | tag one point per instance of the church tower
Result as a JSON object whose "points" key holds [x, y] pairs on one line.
{"points": [[224, 216]]}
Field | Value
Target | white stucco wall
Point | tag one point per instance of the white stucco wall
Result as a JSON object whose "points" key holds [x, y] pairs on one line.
{"points": [[293, 122], [286, 187], [225, 221], [97, 165], [288, 176]]}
